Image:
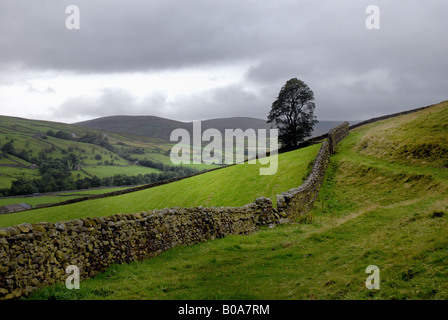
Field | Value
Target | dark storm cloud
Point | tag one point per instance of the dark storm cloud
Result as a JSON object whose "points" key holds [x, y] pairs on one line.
{"points": [[363, 73], [355, 73], [134, 35]]}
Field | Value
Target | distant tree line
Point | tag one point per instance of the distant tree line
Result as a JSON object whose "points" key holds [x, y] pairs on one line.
{"points": [[8, 148], [56, 179], [93, 138], [43, 160], [164, 167]]}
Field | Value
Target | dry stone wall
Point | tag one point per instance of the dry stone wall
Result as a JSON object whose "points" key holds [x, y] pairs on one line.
{"points": [[336, 135], [36, 255], [299, 200]]}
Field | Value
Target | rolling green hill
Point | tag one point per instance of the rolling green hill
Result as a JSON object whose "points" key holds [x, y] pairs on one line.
{"points": [[214, 189], [25, 143], [161, 128], [379, 205], [417, 138]]}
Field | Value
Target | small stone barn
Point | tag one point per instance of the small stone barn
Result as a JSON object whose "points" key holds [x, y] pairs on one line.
{"points": [[10, 208]]}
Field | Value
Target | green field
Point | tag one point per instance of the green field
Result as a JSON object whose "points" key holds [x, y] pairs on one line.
{"points": [[8, 174], [33, 201], [93, 191], [56, 198], [232, 186], [166, 160], [375, 208]]}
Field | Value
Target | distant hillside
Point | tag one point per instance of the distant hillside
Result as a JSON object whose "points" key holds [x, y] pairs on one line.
{"points": [[161, 128], [28, 148], [148, 126]]}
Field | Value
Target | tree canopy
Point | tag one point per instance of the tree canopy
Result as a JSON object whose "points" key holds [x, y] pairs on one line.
{"points": [[293, 113]]}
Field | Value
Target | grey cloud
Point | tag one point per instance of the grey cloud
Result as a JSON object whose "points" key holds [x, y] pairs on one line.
{"points": [[132, 35], [109, 101], [353, 71], [159, 34], [356, 73], [222, 102], [229, 101]]}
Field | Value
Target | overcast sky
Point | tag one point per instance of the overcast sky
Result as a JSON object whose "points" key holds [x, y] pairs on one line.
{"points": [[199, 59]]}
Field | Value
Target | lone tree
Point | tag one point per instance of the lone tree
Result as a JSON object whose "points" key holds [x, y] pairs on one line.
{"points": [[293, 113]]}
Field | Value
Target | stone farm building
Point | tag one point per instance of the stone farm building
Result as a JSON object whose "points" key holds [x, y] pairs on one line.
{"points": [[10, 208]]}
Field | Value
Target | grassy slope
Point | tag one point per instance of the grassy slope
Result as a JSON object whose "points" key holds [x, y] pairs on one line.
{"points": [[130, 170], [370, 211], [418, 138], [233, 186], [151, 126], [9, 174], [56, 197]]}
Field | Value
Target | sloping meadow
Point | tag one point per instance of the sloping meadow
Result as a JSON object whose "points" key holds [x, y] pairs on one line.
{"points": [[419, 138]]}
